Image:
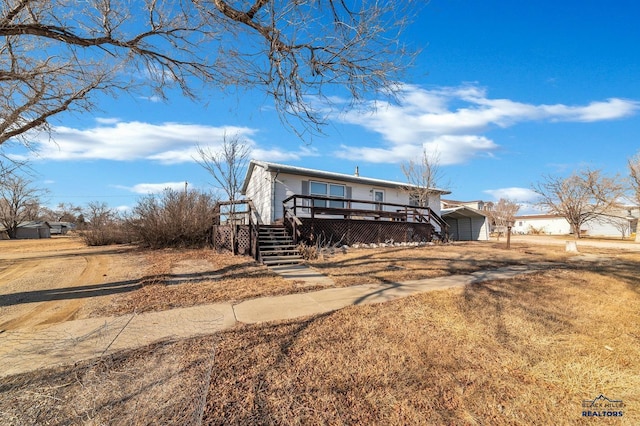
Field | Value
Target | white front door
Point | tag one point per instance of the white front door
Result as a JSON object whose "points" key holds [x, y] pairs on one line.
{"points": [[378, 197]]}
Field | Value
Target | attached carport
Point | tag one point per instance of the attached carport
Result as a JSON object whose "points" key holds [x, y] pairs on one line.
{"points": [[466, 224]]}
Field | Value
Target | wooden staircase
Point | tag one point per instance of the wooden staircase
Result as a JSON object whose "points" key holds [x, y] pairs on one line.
{"points": [[276, 246]]}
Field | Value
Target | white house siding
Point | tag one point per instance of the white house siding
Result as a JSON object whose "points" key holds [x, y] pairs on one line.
{"points": [[608, 226], [286, 186], [259, 190], [559, 226], [546, 224]]}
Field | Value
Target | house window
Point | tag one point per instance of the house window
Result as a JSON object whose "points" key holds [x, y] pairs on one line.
{"points": [[330, 190]]}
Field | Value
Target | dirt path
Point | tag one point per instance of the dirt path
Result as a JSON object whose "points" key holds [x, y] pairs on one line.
{"points": [[583, 242], [60, 279]]}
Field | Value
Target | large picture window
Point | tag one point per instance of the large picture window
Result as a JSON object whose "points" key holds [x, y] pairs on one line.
{"points": [[330, 190]]}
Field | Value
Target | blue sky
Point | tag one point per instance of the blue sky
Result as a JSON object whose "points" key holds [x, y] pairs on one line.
{"points": [[505, 92]]}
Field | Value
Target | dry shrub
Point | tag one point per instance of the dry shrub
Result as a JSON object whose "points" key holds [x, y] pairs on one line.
{"points": [[173, 219], [522, 351], [536, 231], [320, 248]]}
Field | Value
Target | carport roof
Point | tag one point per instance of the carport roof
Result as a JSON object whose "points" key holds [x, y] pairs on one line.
{"points": [[460, 212]]}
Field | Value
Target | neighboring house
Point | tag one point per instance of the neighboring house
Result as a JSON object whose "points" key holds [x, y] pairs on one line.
{"points": [[30, 230], [479, 205], [269, 184], [541, 224], [620, 223]]}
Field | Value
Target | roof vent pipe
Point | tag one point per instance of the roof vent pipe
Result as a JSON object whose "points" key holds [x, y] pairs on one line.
{"points": [[357, 173]]}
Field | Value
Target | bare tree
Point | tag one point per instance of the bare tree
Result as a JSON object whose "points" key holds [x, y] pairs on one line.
{"points": [[503, 212], [580, 198], [103, 226], [228, 167], [55, 55], [19, 202], [423, 177], [634, 178]]}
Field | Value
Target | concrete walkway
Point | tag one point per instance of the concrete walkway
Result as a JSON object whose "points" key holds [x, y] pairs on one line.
{"points": [[72, 341]]}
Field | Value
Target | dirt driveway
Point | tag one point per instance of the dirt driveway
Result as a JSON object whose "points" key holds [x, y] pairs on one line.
{"points": [[583, 242], [60, 279]]}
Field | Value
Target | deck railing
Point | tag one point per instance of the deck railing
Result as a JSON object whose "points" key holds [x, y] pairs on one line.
{"points": [[240, 214], [311, 206]]}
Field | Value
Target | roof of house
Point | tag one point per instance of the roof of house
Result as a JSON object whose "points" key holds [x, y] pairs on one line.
{"points": [[301, 171], [539, 216]]}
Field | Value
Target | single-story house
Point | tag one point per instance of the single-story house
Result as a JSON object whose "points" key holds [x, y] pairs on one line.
{"points": [[30, 230], [620, 223], [269, 184], [346, 207]]}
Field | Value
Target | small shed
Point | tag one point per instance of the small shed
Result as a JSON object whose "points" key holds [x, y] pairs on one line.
{"points": [[32, 230], [466, 224]]}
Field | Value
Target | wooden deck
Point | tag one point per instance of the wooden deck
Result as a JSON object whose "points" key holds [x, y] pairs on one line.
{"points": [[311, 219]]}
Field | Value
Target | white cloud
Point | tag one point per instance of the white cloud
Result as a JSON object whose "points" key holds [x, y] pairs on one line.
{"points": [[451, 149], [133, 140], [166, 143], [453, 118], [107, 120], [516, 194], [277, 154], [153, 188]]}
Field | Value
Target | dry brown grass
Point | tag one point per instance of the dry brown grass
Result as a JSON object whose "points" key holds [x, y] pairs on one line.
{"points": [[181, 278], [396, 264], [163, 383], [522, 351]]}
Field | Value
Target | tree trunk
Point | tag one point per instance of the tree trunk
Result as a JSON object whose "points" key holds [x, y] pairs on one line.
{"points": [[576, 231], [638, 231]]}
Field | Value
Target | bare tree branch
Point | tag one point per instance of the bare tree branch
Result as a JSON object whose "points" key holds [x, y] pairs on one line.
{"points": [[55, 55], [423, 178], [228, 167], [19, 202], [634, 178], [501, 213], [580, 198]]}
